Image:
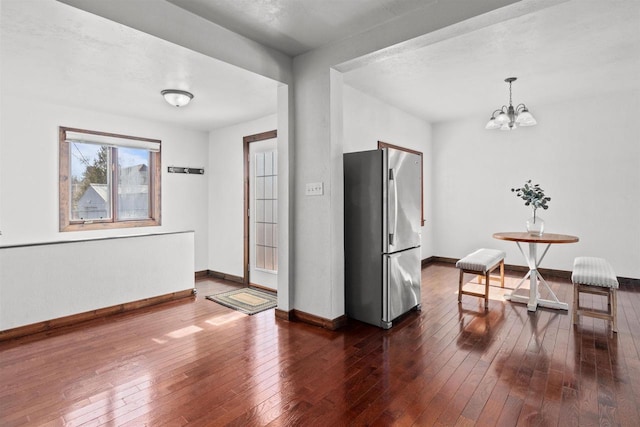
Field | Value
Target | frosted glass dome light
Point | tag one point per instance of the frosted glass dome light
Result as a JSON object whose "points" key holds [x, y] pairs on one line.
{"points": [[178, 98]]}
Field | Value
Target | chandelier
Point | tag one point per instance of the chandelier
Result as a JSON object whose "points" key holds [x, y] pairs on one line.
{"points": [[508, 118]]}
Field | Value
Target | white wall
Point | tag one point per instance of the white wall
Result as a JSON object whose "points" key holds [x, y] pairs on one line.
{"points": [[29, 173], [584, 153], [44, 282], [368, 120], [226, 202]]}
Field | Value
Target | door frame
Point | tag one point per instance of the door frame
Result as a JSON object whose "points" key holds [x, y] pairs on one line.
{"points": [[246, 164]]}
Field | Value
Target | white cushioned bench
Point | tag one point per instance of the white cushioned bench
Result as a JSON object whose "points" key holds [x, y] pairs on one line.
{"points": [[595, 276], [481, 262]]}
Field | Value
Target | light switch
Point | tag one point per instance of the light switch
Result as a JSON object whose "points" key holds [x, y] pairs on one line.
{"points": [[314, 189]]}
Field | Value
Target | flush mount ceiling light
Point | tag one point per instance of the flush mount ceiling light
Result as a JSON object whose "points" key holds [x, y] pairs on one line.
{"points": [[508, 118], [176, 97]]}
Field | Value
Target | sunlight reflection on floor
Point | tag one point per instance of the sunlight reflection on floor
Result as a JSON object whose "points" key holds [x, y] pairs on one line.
{"points": [[179, 333], [107, 403], [497, 293], [221, 319]]}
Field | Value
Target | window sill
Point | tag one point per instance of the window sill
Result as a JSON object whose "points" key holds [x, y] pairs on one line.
{"points": [[109, 225]]}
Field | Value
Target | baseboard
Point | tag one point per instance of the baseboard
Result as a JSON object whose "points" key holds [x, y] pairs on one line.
{"points": [[629, 284], [428, 261], [445, 260], [75, 319], [312, 319], [201, 274], [625, 282], [562, 274], [263, 288], [283, 315], [225, 276]]}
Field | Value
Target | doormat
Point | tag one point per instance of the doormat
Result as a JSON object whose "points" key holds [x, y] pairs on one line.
{"points": [[246, 300]]}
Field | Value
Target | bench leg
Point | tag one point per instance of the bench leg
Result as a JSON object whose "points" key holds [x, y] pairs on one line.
{"points": [[576, 303], [486, 290], [460, 286], [614, 309], [502, 274]]}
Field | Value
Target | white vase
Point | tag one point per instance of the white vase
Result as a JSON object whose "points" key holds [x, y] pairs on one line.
{"points": [[535, 225]]}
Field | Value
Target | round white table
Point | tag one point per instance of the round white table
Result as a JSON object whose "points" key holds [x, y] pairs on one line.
{"points": [[534, 276]]}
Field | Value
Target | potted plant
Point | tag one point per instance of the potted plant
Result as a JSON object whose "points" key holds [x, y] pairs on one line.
{"points": [[533, 195]]}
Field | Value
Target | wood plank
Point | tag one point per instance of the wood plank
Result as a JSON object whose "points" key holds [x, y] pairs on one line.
{"points": [[196, 363]]}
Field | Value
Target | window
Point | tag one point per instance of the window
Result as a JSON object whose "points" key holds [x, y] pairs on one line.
{"points": [[266, 206], [108, 180]]}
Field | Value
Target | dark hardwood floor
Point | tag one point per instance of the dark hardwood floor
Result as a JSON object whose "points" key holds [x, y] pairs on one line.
{"points": [[196, 363]]}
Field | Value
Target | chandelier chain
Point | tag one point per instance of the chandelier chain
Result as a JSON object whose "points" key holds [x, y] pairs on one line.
{"points": [[510, 97]]}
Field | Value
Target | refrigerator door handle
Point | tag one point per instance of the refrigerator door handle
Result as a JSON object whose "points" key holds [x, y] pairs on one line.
{"points": [[395, 206]]}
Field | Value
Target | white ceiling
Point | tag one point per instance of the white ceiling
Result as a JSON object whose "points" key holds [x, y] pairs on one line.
{"points": [[65, 55], [297, 26], [570, 50]]}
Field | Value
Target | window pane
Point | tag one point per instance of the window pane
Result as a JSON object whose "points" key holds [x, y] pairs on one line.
{"points": [[133, 183], [268, 212], [260, 234], [259, 164], [268, 259], [90, 186], [268, 165], [264, 217], [268, 187], [259, 210], [260, 256], [259, 187], [268, 234]]}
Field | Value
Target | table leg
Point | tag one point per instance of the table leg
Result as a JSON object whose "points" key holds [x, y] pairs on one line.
{"points": [[535, 278], [554, 302], [532, 305]]}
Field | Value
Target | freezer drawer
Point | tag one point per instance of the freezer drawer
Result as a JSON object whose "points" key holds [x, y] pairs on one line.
{"points": [[401, 287]]}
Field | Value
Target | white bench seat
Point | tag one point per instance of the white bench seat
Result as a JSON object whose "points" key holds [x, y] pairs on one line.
{"points": [[595, 276], [481, 262]]}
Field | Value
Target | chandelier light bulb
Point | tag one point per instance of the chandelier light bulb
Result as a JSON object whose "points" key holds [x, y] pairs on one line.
{"points": [[492, 124], [502, 118], [525, 118]]}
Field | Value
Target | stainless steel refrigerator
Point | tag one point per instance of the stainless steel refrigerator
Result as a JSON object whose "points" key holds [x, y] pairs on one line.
{"points": [[382, 229]]}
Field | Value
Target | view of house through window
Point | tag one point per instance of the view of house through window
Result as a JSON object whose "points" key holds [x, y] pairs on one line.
{"points": [[91, 186], [108, 179]]}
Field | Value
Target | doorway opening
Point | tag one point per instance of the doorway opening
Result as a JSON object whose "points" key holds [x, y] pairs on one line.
{"points": [[261, 210]]}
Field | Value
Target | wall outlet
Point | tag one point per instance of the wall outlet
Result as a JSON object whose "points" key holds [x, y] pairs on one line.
{"points": [[314, 189]]}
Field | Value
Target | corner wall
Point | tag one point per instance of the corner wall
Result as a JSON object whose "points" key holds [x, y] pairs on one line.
{"points": [[226, 202], [588, 165], [29, 173], [368, 120]]}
